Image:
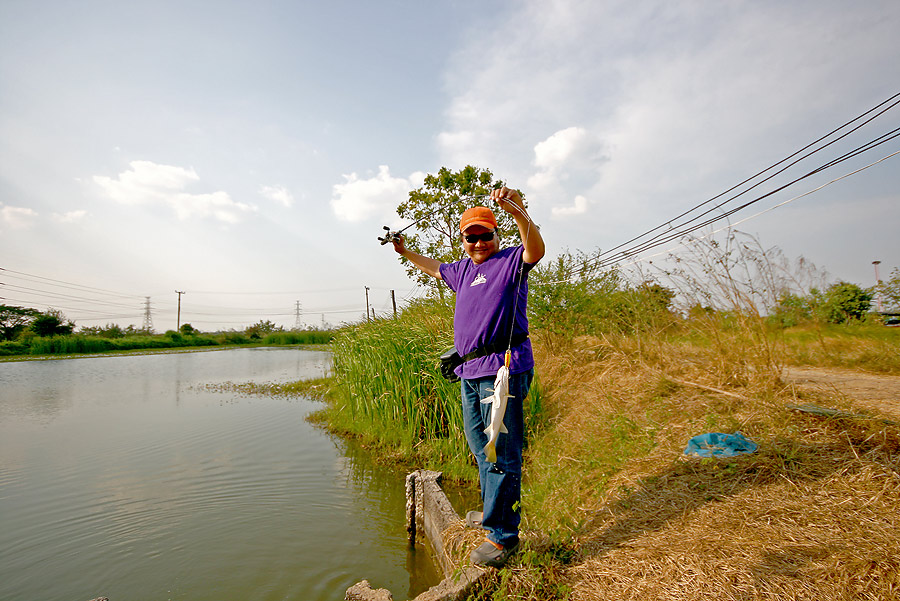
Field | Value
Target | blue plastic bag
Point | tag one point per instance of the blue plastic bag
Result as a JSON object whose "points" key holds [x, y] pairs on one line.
{"points": [[716, 444]]}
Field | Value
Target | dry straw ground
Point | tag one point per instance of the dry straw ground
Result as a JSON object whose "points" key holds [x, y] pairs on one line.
{"points": [[614, 512]]}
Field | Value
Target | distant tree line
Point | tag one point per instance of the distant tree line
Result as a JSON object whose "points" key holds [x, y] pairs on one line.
{"points": [[24, 330]]}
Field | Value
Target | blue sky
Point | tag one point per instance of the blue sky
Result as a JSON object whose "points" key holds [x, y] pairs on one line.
{"points": [[249, 153]]}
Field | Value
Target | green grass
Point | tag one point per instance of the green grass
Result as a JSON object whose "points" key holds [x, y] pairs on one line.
{"points": [[60, 345], [302, 337], [387, 391], [80, 344], [867, 346]]}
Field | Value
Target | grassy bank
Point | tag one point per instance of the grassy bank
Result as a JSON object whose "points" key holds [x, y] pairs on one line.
{"points": [[614, 512], [79, 344], [610, 508]]}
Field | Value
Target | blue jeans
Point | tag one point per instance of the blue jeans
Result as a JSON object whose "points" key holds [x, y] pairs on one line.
{"points": [[501, 482]]}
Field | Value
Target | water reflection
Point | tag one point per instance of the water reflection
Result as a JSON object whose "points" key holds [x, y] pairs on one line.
{"points": [[125, 477], [378, 491]]}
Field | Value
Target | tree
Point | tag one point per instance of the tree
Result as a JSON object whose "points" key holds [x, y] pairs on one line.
{"points": [[261, 328], [793, 309], [657, 297], [15, 320], [437, 207], [890, 292], [187, 329], [52, 323], [845, 302], [110, 330]]}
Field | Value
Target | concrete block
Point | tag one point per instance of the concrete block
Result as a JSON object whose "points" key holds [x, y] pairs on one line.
{"points": [[429, 513]]}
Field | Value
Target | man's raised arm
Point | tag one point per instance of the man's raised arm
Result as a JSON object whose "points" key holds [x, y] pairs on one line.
{"points": [[428, 265]]}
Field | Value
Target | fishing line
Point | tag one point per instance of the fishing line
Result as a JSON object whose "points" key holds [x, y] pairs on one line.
{"points": [[512, 326]]}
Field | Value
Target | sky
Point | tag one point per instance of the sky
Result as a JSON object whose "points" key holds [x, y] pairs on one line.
{"points": [[249, 153]]}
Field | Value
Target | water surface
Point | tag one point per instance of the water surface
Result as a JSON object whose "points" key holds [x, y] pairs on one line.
{"points": [[126, 477]]}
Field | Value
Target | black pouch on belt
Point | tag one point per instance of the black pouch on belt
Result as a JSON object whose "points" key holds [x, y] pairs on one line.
{"points": [[450, 360]]}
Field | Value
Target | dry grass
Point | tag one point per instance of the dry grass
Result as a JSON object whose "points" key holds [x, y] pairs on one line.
{"points": [[814, 514]]}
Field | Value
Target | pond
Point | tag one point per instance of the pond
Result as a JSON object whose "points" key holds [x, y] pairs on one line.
{"points": [[135, 477]]}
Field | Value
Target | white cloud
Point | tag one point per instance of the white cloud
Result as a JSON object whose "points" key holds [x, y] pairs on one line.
{"points": [[580, 207], [377, 196], [70, 216], [568, 163], [150, 183], [278, 194], [552, 153], [17, 217], [672, 104]]}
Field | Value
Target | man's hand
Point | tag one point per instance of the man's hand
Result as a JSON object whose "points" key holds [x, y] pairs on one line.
{"points": [[399, 243], [509, 200]]}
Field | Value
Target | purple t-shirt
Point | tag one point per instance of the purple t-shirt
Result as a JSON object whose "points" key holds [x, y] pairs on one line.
{"points": [[485, 301]]}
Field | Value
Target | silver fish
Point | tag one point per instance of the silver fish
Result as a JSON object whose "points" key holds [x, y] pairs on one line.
{"points": [[498, 410]]}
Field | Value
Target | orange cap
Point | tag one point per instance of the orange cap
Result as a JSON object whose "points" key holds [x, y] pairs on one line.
{"points": [[482, 216]]}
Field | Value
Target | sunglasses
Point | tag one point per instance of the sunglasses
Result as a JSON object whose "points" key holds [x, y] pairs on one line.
{"points": [[473, 238]]}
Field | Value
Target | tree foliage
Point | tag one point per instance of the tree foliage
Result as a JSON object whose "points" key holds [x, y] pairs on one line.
{"points": [[845, 302], [261, 328], [52, 323], [890, 291], [573, 295], [841, 302], [15, 320], [437, 207]]}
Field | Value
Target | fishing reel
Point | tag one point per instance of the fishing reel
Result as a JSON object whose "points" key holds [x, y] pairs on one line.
{"points": [[389, 236]]}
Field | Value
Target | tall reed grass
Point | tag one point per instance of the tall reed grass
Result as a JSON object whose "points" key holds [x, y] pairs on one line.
{"points": [[392, 390], [59, 345], [301, 337], [77, 343]]}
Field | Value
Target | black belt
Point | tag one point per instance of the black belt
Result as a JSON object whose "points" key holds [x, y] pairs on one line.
{"points": [[494, 347]]}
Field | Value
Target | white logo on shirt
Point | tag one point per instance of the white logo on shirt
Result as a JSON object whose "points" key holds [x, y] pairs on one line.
{"points": [[479, 279]]}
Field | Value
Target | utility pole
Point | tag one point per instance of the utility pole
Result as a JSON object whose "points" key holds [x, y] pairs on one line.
{"points": [[179, 293], [367, 305], [879, 305], [148, 319], [394, 301]]}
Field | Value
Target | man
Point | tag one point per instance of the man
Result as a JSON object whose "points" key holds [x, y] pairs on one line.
{"points": [[490, 316]]}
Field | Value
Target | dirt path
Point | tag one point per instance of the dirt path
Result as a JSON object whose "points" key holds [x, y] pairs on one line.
{"points": [[876, 393]]}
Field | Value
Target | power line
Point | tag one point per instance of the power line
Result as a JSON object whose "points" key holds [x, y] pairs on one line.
{"points": [[669, 236], [64, 284], [893, 100], [606, 258], [68, 297], [772, 208]]}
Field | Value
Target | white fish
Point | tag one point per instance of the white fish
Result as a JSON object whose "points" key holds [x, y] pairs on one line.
{"points": [[498, 410]]}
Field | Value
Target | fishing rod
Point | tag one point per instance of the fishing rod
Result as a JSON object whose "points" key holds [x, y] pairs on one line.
{"points": [[390, 236]]}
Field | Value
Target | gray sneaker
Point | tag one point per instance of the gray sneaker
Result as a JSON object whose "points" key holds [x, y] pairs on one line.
{"points": [[487, 554], [474, 518]]}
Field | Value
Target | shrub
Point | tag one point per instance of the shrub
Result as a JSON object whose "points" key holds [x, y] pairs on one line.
{"points": [[845, 302]]}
